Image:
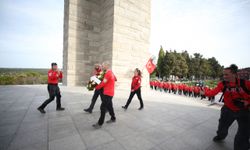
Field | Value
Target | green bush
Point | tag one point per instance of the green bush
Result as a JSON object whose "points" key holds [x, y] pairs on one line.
{"points": [[22, 77], [7, 80]]}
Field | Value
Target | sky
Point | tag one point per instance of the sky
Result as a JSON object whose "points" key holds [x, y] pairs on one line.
{"points": [[213, 28], [31, 32]]}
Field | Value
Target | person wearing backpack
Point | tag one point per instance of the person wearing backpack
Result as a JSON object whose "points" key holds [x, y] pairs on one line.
{"points": [[236, 106]]}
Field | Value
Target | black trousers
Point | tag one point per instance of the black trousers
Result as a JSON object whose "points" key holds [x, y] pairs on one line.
{"points": [[180, 92], [106, 105], [132, 94], [94, 98], [54, 91], [227, 117]]}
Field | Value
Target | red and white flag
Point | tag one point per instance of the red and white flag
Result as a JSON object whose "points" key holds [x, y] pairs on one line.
{"points": [[150, 66]]}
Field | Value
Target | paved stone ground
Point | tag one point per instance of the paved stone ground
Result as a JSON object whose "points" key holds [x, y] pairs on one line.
{"points": [[168, 122]]}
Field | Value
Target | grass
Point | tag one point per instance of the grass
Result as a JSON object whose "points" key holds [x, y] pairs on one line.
{"points": [[17, 76]]}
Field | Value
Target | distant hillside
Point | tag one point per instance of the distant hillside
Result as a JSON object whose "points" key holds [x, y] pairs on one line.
{"points": [[18, 70], [17, 76]]}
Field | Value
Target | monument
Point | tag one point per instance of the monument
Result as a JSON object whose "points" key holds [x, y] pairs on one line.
{"points": [[100, 30]]}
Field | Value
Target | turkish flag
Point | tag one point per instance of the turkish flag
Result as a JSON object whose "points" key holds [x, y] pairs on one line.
{"points": [[150, 66]]}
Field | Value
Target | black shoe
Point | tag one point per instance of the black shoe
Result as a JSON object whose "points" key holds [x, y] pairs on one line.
{"points": [[41, 110], [111, 121], [60, 109], [218, 139], [96, 126], [88, 110], [140, 108], [124, 107]]}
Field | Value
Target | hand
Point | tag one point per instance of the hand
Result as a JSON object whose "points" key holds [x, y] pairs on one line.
{"points": [[58, 71], [132, 90], [246, 103]]}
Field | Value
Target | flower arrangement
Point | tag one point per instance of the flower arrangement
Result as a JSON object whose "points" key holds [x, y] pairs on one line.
{"points": [[92, 84]]}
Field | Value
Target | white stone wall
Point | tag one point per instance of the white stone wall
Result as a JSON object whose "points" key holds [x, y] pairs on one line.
{"points": [[81, 40], [99, 30], [131, 39]]}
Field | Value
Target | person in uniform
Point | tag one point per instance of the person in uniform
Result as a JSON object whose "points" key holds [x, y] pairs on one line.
{"points": [[97, 72], [135, 89], [236, 107], [53, 76], [108, 85]]}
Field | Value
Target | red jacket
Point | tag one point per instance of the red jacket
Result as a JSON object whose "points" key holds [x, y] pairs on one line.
{"points": [[108, 83], [196, 90], [161, 84], [230, 95], [53, 76], [136, 83], [165, 85], [180, 87]]}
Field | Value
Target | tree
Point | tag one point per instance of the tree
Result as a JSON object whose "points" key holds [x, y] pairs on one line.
{"points": [[184, 65], [160, 62], [180, 66], [187, 58], [196, 64], [205, 68], [169, 61], [216, 68]]}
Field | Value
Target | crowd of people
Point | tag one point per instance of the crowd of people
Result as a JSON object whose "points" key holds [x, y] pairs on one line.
{"points": [[236, 94], [180, 89]]}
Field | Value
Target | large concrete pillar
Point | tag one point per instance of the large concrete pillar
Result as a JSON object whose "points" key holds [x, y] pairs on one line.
{"points": [[100, 30]]}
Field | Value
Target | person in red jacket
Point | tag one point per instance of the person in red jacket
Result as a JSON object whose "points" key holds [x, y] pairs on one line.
{"points": [[135, 89], [151, 84], [53, 76], [165, 87], [196, 91], [108, 85], [236, 107], [97, 71]]}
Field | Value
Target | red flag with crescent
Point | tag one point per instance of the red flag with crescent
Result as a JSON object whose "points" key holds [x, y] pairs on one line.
{"points": [[150, 66]]}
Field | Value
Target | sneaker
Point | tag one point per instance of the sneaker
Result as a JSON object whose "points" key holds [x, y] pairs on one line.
{"points": [[110, 121], [140, 108], [88, 110], [60, 109], [124, 107], [41, 110], [218, 139], [96, 126]]}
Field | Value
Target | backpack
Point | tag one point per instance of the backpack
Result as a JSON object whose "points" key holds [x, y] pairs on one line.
{"points": [[242, 85]]}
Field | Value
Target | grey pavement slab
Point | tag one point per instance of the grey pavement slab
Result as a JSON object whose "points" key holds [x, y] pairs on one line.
{"points": [[168, 122]]}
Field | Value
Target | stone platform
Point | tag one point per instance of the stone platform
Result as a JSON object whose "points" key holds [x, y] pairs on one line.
{"points": [[168, 122]]}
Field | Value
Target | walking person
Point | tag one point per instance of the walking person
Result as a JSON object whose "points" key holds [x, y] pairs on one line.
{"points": [[97, 92], [135, 89], [54, 91], [108, 85]]}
